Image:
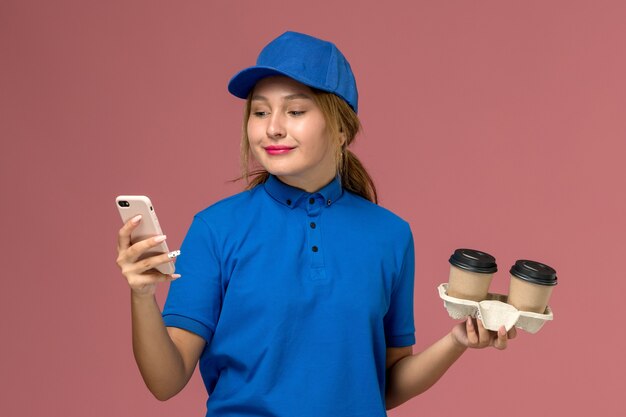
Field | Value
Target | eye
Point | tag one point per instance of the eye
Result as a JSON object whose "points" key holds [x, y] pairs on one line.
{"points": [[260, 113], [296, 113]]}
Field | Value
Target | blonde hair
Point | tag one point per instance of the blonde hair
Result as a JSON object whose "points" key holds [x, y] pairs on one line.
{"points": [[340, 120]]}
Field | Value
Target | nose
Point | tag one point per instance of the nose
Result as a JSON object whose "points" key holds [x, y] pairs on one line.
{"points": [[275, 127]]}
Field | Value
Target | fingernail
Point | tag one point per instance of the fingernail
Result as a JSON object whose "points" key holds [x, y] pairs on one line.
{"points": [[502, 331], [135, 219], [176, 276], [160, 238], [173, 254]]}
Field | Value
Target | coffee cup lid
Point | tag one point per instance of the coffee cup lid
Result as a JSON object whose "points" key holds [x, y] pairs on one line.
{"points": [[534, 272], [474, 261]]}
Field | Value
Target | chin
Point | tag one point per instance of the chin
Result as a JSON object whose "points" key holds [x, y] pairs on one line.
{"points": [[278, 170], [281, 172]]}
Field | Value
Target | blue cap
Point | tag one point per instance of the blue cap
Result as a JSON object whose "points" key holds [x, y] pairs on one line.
{"points": [[308, 60]]}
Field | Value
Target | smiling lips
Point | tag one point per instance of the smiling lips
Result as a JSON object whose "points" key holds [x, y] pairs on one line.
{"points": [[277, 150]]}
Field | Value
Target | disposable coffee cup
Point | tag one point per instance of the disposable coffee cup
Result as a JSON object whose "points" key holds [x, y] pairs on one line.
{"points": [[471, 272], [531, 286]]}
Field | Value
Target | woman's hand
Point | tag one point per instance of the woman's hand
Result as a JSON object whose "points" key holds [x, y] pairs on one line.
{"points": [[142, 276], [472, 334]]}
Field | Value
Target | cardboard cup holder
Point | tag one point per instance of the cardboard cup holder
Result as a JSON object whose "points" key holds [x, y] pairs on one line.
{"points": [[494, 312]]}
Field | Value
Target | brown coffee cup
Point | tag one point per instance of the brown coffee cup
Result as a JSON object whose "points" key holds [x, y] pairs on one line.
{"points": [[471, 272], [531, 286]]}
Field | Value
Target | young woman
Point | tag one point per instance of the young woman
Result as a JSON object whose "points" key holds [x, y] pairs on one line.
{"points": [[296, 295]]}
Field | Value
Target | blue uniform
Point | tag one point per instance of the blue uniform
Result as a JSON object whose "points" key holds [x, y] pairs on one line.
{"points": [[297, 295]]}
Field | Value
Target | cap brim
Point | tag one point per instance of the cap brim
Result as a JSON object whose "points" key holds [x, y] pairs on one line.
{"points": [[245, 80]]}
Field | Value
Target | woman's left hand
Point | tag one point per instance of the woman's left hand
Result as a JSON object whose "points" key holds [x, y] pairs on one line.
{"points": [[472, 334]]}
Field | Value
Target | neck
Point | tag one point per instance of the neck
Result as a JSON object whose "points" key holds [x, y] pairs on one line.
{"points": [[308, 185]]}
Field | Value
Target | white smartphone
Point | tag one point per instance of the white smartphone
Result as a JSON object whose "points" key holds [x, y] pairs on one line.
{"points": [[131, 205]]}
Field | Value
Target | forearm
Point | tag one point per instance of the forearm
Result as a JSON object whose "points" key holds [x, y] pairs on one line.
{"points": [[159, 361], [414, 374]]}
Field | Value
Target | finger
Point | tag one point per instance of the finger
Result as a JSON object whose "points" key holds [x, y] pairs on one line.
{"points": [[483, 334], [512, 334], [135, 251], [150, 278], [501, 341], [153, 262], [166, 277], [472, 336], [123, 238]]}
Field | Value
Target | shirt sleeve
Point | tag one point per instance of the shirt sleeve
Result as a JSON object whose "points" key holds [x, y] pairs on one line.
{"points": [[399, 322], [194, 300]]}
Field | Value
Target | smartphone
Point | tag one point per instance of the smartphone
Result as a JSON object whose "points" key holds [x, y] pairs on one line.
{"points": [[131, 205]]}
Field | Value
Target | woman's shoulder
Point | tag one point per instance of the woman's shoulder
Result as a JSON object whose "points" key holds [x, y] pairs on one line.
{"points": [[229, 207], [375, 214]]}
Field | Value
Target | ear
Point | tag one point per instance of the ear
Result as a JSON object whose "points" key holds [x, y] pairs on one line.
{"points": [[342, 139]]}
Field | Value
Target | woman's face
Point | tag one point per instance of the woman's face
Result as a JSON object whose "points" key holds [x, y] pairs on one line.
{"points": [[287, 134]]}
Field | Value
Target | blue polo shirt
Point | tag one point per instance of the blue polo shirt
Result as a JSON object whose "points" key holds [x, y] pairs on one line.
{"points": [[297, 295]]}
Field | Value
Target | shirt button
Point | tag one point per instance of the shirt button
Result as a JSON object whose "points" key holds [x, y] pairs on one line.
{"points": [[288, 202], [328, 202], [314, 248], [313, 225], [311, 200]]}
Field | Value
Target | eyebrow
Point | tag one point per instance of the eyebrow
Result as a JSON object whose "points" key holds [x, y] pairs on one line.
{"points": [[286, 98]]}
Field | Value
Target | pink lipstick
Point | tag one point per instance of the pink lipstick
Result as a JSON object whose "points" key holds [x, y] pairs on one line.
{"points": [[277, 150]]}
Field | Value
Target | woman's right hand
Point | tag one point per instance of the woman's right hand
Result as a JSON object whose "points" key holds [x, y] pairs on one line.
{"points": [[142, 275]]}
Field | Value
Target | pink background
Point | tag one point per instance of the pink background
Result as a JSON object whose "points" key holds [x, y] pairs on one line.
{"points": [[496, 125]]}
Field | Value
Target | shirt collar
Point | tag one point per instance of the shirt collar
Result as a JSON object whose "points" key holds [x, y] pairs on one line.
{"points": [[291, 196]]}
